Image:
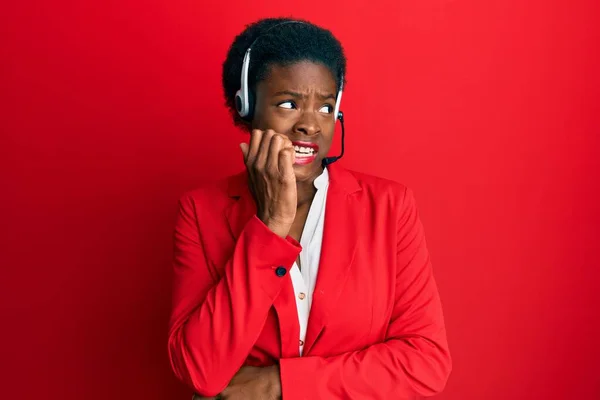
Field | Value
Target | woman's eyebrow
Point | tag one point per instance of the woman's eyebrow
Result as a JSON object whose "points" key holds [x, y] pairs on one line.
{"points": [[302, 95]]}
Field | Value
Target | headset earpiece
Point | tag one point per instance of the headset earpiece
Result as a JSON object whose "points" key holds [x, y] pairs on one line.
{"points": [[242, 96], [250, 105], [244, 108], [338, 100], [239, 106]]}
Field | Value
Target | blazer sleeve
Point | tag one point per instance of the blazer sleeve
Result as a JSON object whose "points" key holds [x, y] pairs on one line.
{"points": [[215, 321], [413, 361]]}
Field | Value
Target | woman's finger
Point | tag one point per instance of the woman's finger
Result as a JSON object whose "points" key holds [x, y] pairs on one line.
{"points": [[287, 143], [287, 157], [245, 148], [255, 139], [263, 151], [275, 147]]}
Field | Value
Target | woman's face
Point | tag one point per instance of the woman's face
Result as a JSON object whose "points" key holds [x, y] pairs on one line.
{"points": [[298, 101]]}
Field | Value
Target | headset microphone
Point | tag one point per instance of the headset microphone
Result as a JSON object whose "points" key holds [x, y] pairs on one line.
{"points": [[329, 160]]}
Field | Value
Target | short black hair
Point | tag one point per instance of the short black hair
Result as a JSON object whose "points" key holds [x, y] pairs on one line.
{"points": [[283, 45]]}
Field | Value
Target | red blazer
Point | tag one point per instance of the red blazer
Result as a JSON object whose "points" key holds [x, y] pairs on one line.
{"points": [[375, 329]]}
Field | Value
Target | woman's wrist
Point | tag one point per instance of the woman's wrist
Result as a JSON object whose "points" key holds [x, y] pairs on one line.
{"points": [[279, 228]]}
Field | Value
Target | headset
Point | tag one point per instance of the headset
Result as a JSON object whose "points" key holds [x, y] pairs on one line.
{"points": [[244, 99]]}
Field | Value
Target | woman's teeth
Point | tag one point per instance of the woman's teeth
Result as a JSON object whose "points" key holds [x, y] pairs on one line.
{"points": [[304, 151]]}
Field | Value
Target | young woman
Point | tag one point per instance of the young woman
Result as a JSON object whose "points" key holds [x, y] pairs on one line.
{"points": [[298, 278]]}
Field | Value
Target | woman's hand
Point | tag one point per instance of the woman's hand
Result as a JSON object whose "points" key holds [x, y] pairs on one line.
{"points": [[269, 159], [252, 383]]}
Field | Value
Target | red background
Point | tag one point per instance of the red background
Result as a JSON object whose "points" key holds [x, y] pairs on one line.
{"points": [[487, 109]]}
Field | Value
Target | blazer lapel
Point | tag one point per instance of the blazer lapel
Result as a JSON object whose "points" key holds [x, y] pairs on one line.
{"points": [[243, 206], [342, 212]]}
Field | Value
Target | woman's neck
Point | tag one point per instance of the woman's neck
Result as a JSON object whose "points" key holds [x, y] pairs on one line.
{"points": [[306, 192]]}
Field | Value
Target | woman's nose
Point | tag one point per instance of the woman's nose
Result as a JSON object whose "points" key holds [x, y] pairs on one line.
{"points": [[308, 124]]}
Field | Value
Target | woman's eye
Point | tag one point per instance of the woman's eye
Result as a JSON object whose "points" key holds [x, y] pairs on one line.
{"points": [[327, 109], [286, 104]]}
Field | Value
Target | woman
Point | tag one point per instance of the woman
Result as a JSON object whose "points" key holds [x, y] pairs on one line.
{"points": [[297, 278]]}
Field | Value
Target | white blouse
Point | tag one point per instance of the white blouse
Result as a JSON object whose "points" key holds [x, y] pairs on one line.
{"points": [[304, 279]]}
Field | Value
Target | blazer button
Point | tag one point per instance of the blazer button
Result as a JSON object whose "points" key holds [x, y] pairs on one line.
{"points": [[280, 271]]}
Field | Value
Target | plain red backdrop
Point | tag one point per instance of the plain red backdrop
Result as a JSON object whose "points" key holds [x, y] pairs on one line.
{"points": [[487, 109]]}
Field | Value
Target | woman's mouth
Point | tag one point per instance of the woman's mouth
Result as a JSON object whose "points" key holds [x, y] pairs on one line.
{"points": [[306, 152]]}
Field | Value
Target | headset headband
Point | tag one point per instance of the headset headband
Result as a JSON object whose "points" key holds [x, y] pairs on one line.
{"points": [[243, 100]]}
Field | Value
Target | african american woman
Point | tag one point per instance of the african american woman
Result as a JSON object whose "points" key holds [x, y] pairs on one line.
{"points": [[297, 278]]}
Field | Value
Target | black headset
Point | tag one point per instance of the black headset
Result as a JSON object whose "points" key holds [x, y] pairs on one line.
{"points": [[244, 99]]}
